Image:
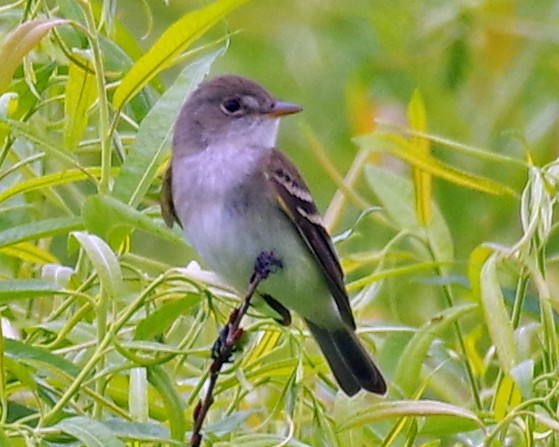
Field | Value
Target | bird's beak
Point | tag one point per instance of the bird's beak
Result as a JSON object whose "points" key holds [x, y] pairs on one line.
{"points": [[281, 108]]}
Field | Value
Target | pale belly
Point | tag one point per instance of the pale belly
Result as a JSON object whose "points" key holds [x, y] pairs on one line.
{"points": [[229, 242]]}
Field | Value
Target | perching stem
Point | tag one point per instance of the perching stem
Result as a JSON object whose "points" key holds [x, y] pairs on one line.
{"points": [[228, 337]]}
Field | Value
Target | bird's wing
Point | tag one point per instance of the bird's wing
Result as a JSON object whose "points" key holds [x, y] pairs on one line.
{"points": [[166, 199], [294, 199]]}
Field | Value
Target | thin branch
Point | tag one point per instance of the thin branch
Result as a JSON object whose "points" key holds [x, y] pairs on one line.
{"points": [[227, 340]]}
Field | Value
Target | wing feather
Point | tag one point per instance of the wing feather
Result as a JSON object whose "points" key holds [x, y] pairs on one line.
{"points": [[295, 200]]}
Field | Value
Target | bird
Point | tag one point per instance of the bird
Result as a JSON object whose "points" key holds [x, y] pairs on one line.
{"points": [[236, 196]]}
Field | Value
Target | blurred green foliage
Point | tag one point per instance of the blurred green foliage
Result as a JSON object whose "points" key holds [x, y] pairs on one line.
{"points": [[428, 139]]}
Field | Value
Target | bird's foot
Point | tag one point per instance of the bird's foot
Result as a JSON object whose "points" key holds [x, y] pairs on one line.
{"points": [[265, 264]]}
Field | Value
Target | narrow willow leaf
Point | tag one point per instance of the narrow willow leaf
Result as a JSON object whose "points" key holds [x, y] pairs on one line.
{"points": [[28, 354], [90, 432], [20, 42], [49, 180], [80, 94], [486, 289], [113, 221], [20, 289], [160, 320], [172, 400], [138, 431], [104, 261], [395, 193], [408, 371], [523, 375], [22, 373], [176, 39], [37, 230], [145, 157], [402, 149], [25, 131], [422, 180], [138, 395], [507, 398], [29, 253], [396, 409], [268, 341]]}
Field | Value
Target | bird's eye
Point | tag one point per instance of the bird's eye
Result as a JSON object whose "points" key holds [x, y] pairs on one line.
{"points": [[231, 106]]}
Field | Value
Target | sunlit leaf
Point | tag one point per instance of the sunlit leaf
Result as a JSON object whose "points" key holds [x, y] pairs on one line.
{"points": [[402, 149], [176, 39], [29, 253], [81, 92], [507, 398], [422, 180], [49, 180]]}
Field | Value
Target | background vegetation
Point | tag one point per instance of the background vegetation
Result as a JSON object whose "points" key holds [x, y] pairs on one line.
{"points": [[429, 140]]}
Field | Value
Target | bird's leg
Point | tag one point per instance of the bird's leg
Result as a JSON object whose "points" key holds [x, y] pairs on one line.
{"points": [[285, 319]]}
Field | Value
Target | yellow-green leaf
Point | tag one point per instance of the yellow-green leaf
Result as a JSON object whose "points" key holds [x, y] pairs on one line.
{"points": [[81, 92], [20, 42], [176, 39], [486, 289], [507, 398], [29, 253], [417, 118], [402, 149], [47, 181]]}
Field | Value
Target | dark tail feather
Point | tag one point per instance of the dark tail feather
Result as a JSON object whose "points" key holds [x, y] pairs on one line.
{"points": [[351, 364]]}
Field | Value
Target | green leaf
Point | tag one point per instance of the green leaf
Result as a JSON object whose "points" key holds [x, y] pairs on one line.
{"points": [[20, 42], [112, 220], [160, 320], [395, 193], [402, 149], [103, 260], [37, 230], [89, 431], [24, 353], [21, 372], [49, 180], [29, 253], [487, 290], [25, 131], [147, 153], [369, 414], [142, 431], [408, 371], [80, 94], [422, 180], [19, 289], [176, 39], [172, 400]]}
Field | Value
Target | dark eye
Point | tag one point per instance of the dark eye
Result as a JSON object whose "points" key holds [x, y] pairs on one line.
{"points": [[231, 106]]}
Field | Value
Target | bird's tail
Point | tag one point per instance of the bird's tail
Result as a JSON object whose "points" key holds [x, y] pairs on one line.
{"points": [[352, 365]]}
